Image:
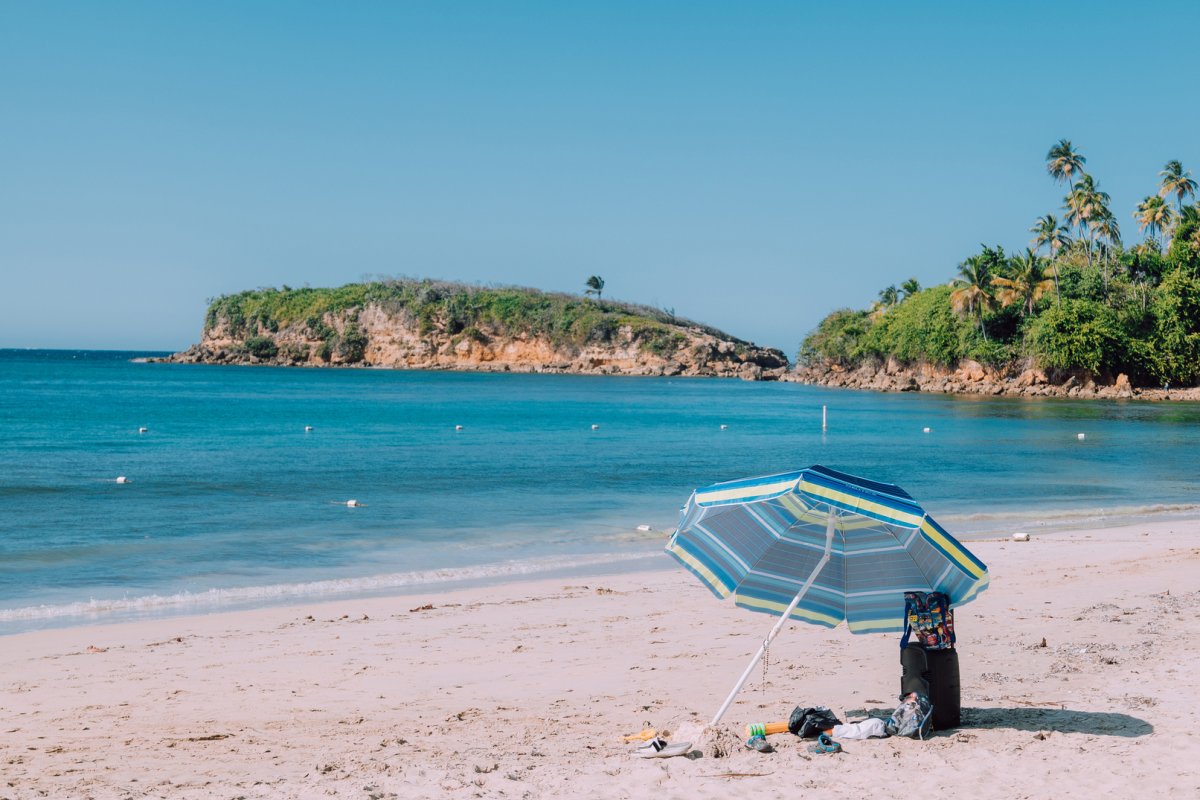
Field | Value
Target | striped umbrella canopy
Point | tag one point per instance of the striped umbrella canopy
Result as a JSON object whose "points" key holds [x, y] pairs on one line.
{"points": [[820, 546]]}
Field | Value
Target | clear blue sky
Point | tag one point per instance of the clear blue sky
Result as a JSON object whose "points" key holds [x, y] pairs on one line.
{"points": [[752, 165]]}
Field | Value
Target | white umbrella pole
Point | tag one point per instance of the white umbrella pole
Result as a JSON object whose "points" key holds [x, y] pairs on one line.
{"points": [[782, 621]]}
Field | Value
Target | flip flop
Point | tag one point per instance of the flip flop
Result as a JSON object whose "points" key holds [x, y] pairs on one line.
{"points": [[659, 748], [825, 746]]}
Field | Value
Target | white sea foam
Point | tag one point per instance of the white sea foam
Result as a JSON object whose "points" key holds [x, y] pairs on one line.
{"points": [[1064, 518], [95, 610]]}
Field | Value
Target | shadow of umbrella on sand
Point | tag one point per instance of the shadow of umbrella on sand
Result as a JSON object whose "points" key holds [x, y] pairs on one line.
{"points": [[822, 547]]}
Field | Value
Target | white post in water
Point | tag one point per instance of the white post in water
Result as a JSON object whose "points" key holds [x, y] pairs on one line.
{"points": [[782, 620], [824, 417]]}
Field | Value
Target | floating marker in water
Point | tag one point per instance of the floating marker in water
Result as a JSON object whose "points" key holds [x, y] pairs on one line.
{"points": [[1081, 436], [122, 479], [352, 504], [595, 427], [824, 417], [458, 427], [926, 430], [644, 528], [724, 427], [143, 430], [307, 428]]}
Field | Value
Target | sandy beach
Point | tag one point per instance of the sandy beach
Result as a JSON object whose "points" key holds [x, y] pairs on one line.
{"points": [[525, 690]]}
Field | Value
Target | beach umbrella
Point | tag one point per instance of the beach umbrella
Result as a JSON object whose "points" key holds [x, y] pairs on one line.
{"points": [[820, 546]]}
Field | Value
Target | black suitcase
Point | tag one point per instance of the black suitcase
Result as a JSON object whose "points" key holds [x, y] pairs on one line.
{"points": [[935, 674]]}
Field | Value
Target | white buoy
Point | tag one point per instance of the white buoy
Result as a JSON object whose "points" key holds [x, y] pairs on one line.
{"points": [[122, 479], [724, 427], [595, 427], [1081, 436], [458, 427], [644, 528], [308, 428], [824, 417], [352, 504], [1020, 537], [143, 430], [926, 430]]}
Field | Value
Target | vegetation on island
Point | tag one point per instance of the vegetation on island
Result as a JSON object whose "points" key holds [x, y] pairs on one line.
{"points": [[443, 308], [1078, 300]]}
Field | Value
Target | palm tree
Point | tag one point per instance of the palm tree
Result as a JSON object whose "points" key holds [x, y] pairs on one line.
{"points": [[1188, 226], [1048, 233], [1078, 208], [595, 285], [1027, 281], [910, 287], [1064, 162], [1106, 227], [1085, 204], [972, 294], [887, 298], [1176, 181], [1154, 216]]}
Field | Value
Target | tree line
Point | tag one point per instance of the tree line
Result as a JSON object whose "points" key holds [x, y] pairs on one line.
{"points": [[1078, 300]]}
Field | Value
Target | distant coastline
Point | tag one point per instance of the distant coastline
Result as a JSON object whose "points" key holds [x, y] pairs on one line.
{"points": [[973, 378], [1081, 312]]}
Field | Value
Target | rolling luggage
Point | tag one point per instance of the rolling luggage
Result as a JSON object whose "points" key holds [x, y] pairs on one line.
{"points": [[934, 673], [929, 664]]}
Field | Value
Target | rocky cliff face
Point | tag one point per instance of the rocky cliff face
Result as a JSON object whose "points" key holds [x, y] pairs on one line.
{"points": [[379, 336], [970, 377]]}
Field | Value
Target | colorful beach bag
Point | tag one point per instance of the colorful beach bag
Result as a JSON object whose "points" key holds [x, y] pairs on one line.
{"points": [[928, 617]]}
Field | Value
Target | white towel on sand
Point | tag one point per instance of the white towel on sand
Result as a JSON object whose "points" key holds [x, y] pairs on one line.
{"points": [[867, 729]]}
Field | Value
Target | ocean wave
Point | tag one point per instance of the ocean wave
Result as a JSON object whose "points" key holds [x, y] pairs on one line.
{"points": [[986, 521], [95, 610]]}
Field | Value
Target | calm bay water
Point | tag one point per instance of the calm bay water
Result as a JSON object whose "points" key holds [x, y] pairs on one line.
{"points": [[230, 502]]}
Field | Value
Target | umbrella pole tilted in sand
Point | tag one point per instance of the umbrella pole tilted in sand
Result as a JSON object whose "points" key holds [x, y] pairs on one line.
{"points": [[829, 528]]}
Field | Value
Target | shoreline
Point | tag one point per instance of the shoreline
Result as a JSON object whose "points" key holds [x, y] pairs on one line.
{"points": [[524, 690], [149, 608], [20, 619], [973, 379]]}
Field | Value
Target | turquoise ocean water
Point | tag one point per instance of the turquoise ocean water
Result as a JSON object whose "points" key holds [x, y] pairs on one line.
{"points": [[231, 503]]}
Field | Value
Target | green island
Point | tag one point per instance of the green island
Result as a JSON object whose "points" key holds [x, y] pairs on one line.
{"points": [[1077, 307], [431, 324]]}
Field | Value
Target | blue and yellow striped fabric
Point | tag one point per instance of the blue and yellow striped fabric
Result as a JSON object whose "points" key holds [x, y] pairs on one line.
{"points": [[758, 539]]}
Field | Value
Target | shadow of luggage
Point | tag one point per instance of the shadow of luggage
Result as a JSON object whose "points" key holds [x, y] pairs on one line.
{"points": [[1035, 718], [1060, 720]]}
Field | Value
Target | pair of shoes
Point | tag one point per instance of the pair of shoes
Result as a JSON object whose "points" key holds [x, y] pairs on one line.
{"points": [[825, 745], [760, 744], [659, 748]]}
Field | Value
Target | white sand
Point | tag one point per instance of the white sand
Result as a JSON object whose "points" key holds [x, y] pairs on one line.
{"points": [[524, 690]]}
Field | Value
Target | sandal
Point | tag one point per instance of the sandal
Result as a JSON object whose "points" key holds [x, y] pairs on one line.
{"points": [[825, 745], [659, 748]]}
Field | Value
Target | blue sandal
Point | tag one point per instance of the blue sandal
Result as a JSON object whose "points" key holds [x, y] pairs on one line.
{"points": [[825, 745]]}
